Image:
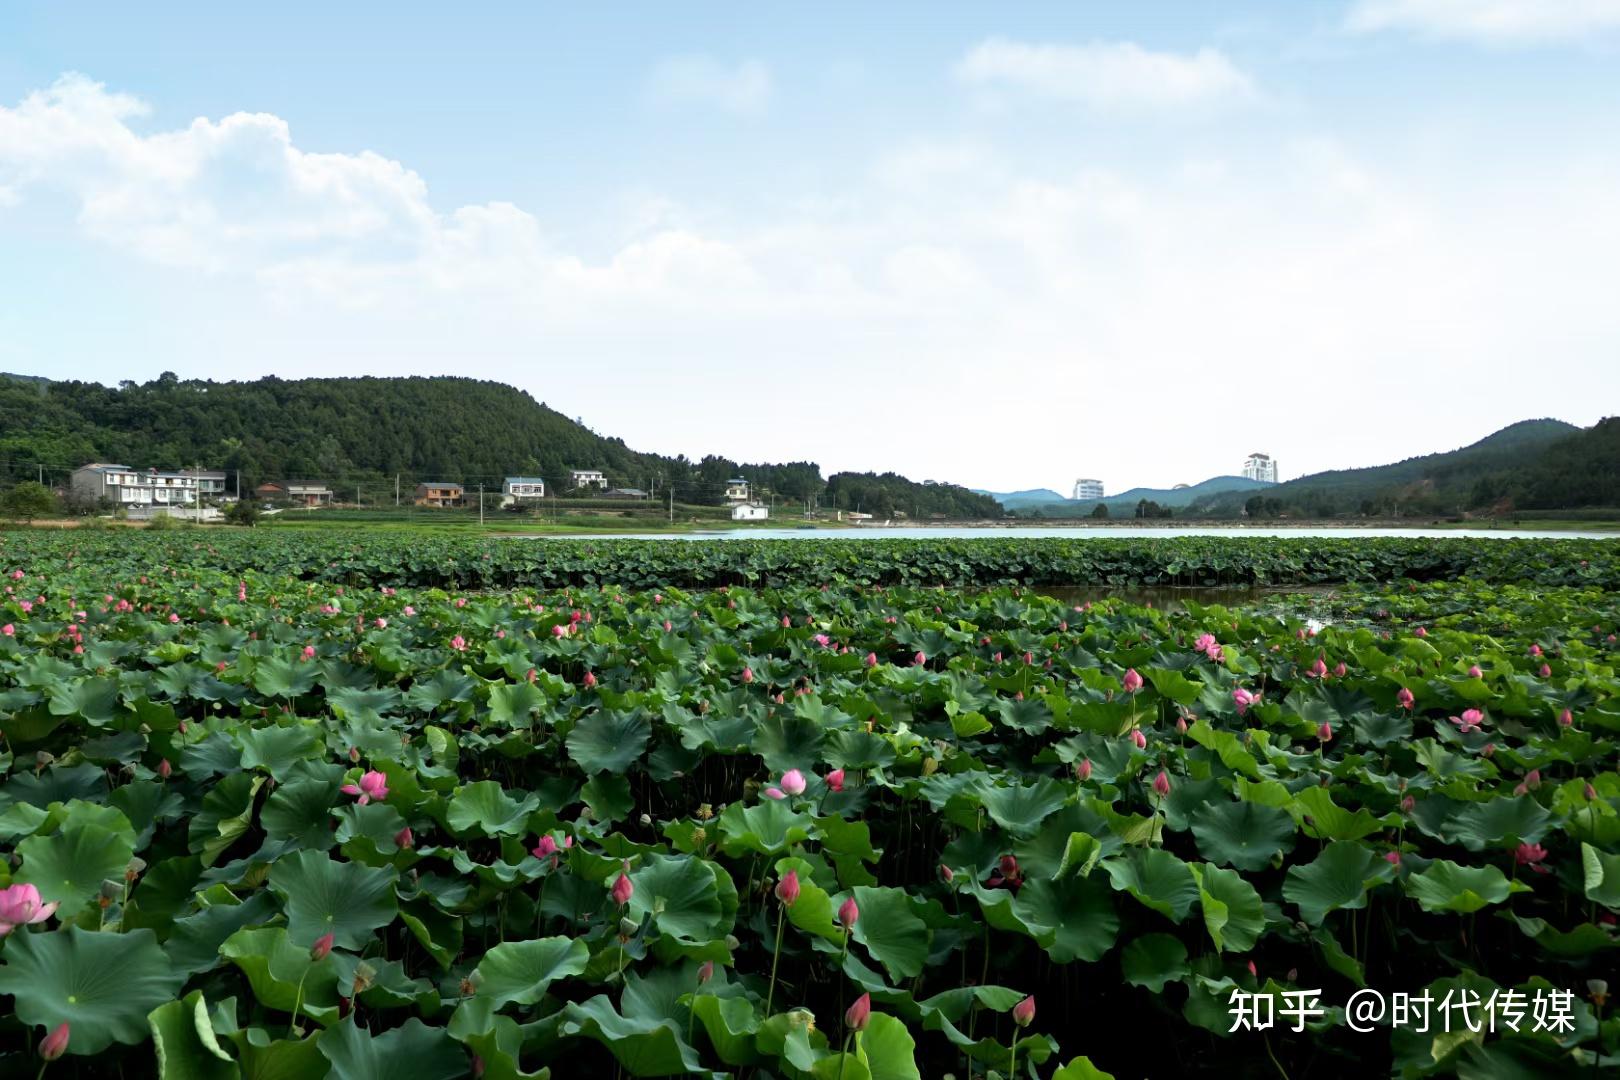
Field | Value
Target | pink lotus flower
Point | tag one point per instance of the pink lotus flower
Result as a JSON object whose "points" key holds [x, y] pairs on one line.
{"points": [[55, 1044], [1024, 1012], [1339, 670], [747, 674], [1566, 719], [1474, 672], [1589, 793], [1403, 697], [775, 793], [1318, 670], [409, 610], [1243, 699], [590, 679], [1532, 779], [1133, 681], [1139, 739], [1470, 720], [623, 889], [559, 630], [919, 659], [322, 946], [1546, 671], [373, 787], [669, 626], [1392, 857], [404, 839], [1161, 784], [1082, 771], [787, 890], [835, 780], [848, 912], [1531, 855], [309, 652], [858, 1014], [8, 630], [545, 846], [1325, 732], [787, 623], [458, 643], [706, 972], [946, 873], [1420, 632], [20, 906], [1535, 650], [793, 782], [1181, 725], [871, 659], [381, 624], [823, 640], [1408, 804], [1488, 750], [164, 769]]}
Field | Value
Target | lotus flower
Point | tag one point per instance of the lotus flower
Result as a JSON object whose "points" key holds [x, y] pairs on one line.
{"points": [[747, 674], [623, 889], [1403, 698], [1392, 857], [787, 890], [1243, 699], [1318, 670], [871, 659], [793, 782], [1161, 784], [1546, 671], [1535, 650], [1408, 804], [164, 769], [1532, 779], [1325, 732], [1566, 719], [309, 652], [20, 906], [545, 846], [1531, 855], [590, 679], [1082, 771], [55, 1044], [1024, 1011], [848, 912], [1138, 738], [1133, 681], [373, 787], [404, 839], [835, 780], [1420, 632], [1470, 720], [919, 659], [774, 792], [706, 972], [857, 1015], [1474, 672], [1339, 670], [458, 643], [322, 946]]}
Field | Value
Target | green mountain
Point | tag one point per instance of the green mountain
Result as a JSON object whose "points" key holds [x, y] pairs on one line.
{"points": [[1501, 471], [1124, 504], [351, 432], [1029, 496]]}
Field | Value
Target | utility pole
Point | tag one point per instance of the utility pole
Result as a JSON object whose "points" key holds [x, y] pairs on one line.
{"points": [[480, 504], [396, 491], [672, 504], [238, 485]]}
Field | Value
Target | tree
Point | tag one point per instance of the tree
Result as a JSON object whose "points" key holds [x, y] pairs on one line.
{"points": [[1100, 510], [27, 501], [243, 512]]}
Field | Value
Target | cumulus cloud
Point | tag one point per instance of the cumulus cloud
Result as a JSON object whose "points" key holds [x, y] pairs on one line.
{"points": [[1492, 21], [744, 88], [1107, 75]]}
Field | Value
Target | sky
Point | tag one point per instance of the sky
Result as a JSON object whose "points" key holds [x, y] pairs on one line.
{"points": [[1002, 245]]}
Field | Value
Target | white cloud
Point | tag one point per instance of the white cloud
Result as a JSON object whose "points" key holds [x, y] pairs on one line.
{"points": [[1145, 325], [1107, 75], [1492, 21], [744, 88]]}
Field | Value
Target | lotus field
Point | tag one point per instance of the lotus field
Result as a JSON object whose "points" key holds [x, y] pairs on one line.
{"points": [[360, 816]]}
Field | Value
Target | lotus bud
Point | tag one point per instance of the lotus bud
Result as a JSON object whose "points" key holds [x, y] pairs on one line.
{"points": [[55, 1044], [1082, 771], [1024, 1012], [848, 912], [859, 1014], [706, 972], [322, 946], [787, 890], [623, 889]]}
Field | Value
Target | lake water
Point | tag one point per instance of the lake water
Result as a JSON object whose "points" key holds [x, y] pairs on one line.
{"points": [[1085, 532]]}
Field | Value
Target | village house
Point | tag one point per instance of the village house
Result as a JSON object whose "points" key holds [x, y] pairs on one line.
{"points": [[587, 478], [517, 490], [120, 485], [736, 490], [440, 495], [751, 511], [307, 495]]}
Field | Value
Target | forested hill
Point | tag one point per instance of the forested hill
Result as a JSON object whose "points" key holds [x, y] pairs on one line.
{"points": [[1531, 465], [351, 430]]}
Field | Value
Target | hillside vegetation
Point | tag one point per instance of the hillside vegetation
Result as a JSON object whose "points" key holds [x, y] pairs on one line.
{"points": [[354, 430]]}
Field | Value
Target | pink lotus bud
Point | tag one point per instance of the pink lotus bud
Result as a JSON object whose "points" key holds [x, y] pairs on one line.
{"points": [[706, 972], [859, 1013], [1566, 718], [1325, 732], [309, 652], [1253, 970], [793, 782], [1392, 857], [835, 780], [1403, 697], [919, 659], [1181, 725], [322, 946], [1532, 779], [1420, 632], [1589, 792], [1339, 670], [623, 889], [590, 679], [774, 792], [946, 873], [1024, 1012], [1161, 784], [545, 846], [164, 769], [1243, 699], [787, 890], [1133, 681], [1545, 671], [747, 674], [1408, 804], [1082, 771], [1535, 650], [1138, 738], [404, 839], [55, 1044], [871, 659], [1488, 749], [848, 912], [1474, 672]]}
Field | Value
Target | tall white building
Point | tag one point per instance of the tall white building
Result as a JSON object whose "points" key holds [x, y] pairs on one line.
{"points": [[1088, 489], [1261, 467]]}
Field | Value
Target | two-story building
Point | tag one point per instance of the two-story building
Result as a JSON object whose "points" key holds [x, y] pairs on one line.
{"points": [[519, 490], [440, 495], [587, 478], [98, 483], [736, 490]]}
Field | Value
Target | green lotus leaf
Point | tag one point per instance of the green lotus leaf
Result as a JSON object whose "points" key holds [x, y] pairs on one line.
{"points": [[485, 809], [1446, 886], [1601, 876], [1500, 823], [891, 932], [1157, 878], [511, 705], [94, 700], [281, 678], [1244, 835], [1337, 878], [1081, 1068], [413, 1049], [264, 1058], [1234, 914], [278, 747], [609, 741], [888, 1050], [768, 827], [520, 971], [1021, 808], [1153, 960], [1321, 817], [187, 1048], [642, 1047], [102, 985], [193, 944], [276, 967], [730, 1024], [68, 867], [496, 1039], [322, 895]]}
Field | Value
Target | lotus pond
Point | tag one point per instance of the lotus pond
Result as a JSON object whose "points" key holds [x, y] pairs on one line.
{"points": [[326, 812]]}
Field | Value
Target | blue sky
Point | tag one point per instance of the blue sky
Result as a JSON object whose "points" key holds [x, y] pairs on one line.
{"points": [[1000, 244]]}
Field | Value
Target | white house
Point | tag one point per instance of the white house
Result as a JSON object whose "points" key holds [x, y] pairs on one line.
{"points": [[522, 489], [127, 487], [584, 478], [750, 511], [1261, 467], [736, 490], [1088, 489]]}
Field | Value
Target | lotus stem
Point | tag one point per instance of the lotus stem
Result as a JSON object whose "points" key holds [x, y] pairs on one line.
{"points": [[776, 954], [843, 1055], [298, 1003]]}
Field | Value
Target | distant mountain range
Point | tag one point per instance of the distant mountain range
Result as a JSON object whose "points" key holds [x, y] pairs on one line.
{"points": [[1049, 503]]}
